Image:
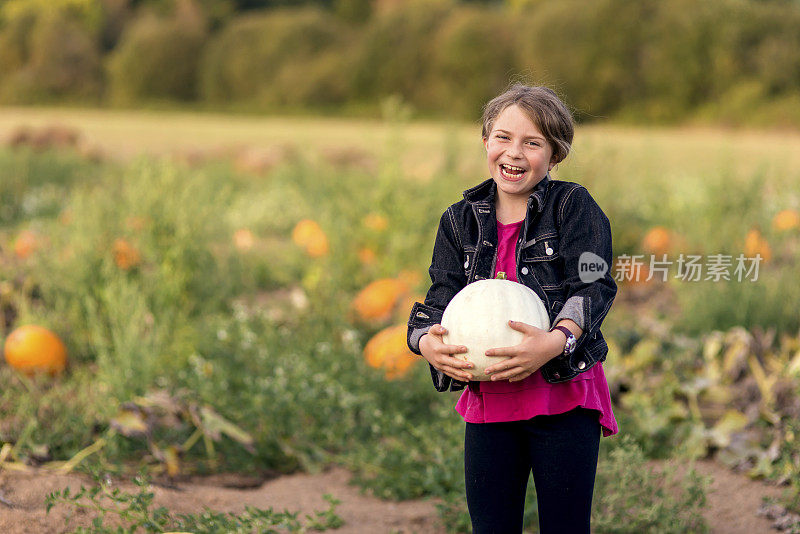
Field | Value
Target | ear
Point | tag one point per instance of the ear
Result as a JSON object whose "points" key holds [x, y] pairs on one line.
{"points": [[553, 163], [486, 143]]}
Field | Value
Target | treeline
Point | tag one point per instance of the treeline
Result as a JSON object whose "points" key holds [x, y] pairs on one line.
{"points": [[734, 61]]}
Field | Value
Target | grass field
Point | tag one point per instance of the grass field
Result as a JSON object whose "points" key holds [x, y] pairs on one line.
{"points": [[184, 275], [655, 153]]}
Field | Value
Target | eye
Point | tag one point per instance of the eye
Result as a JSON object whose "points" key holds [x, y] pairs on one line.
{"points": [[502, 136], [534, 143]]}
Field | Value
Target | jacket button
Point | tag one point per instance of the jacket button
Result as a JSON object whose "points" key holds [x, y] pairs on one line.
{"points": [[487, 243], [524, 270], [581, 365], [466, 264]]}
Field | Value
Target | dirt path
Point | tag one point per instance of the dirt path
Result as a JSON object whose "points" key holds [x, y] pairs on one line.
{"points": [[733, 500]]}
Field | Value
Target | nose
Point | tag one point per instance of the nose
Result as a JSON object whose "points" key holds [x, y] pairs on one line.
{"points": [[515, 150]]}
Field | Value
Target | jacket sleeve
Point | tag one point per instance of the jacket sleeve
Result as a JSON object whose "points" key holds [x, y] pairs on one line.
{"points": [[447, 279], [585, 234]]}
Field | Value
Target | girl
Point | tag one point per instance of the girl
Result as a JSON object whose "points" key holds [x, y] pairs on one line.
{"points": [[545, 406]]}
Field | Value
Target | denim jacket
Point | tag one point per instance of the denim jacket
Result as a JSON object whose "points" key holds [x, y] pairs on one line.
{"points": [[562, 222]]}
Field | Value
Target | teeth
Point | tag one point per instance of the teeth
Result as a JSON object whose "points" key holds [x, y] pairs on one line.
{"points": [[513, 168]]}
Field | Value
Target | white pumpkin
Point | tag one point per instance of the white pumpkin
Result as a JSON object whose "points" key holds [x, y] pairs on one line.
{"points": [[477, 317]]}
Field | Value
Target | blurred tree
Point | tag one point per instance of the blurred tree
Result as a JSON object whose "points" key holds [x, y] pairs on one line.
{"points": [[589, 51], [50, 57], [14, 43], [394, 55], [87, 12], [157, 58], [258, 59], [474, 56], [116, 15], [216, 12], [357, 11]]}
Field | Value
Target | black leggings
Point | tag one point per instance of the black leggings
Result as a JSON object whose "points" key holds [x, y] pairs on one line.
{"points": [[562, 452]]}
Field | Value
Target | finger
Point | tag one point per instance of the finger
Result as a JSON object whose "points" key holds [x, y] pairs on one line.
{"points": [[438, 329], [502, 351], [458, 374], [525, 328], [453, 349], [500, 366], [452, 361], [506, 374]]}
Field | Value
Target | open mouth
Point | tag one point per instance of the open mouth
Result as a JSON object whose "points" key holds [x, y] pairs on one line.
{"points": [[511, 172]]}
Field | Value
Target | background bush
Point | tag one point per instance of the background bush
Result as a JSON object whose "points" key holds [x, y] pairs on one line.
{"points": [[282, 57], [730, 61], [49, 58]]}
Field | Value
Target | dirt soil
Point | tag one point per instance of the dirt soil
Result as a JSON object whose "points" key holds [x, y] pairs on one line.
{"points": [[733, 500]]}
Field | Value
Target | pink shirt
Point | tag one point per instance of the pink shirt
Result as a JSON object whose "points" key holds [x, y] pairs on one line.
{"points": [[494, 402]]}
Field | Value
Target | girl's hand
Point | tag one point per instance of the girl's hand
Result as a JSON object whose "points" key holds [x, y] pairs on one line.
{"points": [[440, 356], [537, 348]]}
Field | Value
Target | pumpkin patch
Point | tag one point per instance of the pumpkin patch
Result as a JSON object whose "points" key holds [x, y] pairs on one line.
{"points": [[377, 301], [786, 220], [126, 256], [32, 349], [658, 240], [754, 243], [309, 235], [388, 350], [27, 243]]}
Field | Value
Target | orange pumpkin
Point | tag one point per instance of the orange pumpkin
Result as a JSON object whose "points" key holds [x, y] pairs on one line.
{"points": [[309, 235], [376, 301], [125, 255], [26, 244], [754, 243], [658, 240], [786, 220], [375, 222], [243, 239], [367, 256], [32, 349], [388, 350]]}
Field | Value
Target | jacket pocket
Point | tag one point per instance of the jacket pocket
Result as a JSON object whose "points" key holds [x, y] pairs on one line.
{"points": [[543, 257]]}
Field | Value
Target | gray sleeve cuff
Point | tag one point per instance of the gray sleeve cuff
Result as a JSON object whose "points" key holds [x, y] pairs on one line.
{"points": [[414, 337], [573, 309]]}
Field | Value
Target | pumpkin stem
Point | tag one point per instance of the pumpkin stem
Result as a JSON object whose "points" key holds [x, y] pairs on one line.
{"points": [[501, 275]]}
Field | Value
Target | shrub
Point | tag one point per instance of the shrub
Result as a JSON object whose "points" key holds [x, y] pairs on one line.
{"points": [[395, 51], [156, 59], [468, 72], [14, 43], [57, 59], [588, 51], [285, 56]]}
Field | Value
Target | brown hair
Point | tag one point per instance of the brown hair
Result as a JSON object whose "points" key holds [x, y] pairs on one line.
{"points": [[543, 107]]}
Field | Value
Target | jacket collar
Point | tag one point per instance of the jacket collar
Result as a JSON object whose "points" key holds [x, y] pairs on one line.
{"points": [[484, 192]]}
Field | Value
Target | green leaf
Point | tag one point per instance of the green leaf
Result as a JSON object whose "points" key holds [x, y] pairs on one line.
{"points": [[214, 425]]}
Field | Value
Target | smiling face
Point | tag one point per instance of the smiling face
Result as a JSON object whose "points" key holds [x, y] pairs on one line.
{"points": [[518, 154]]}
